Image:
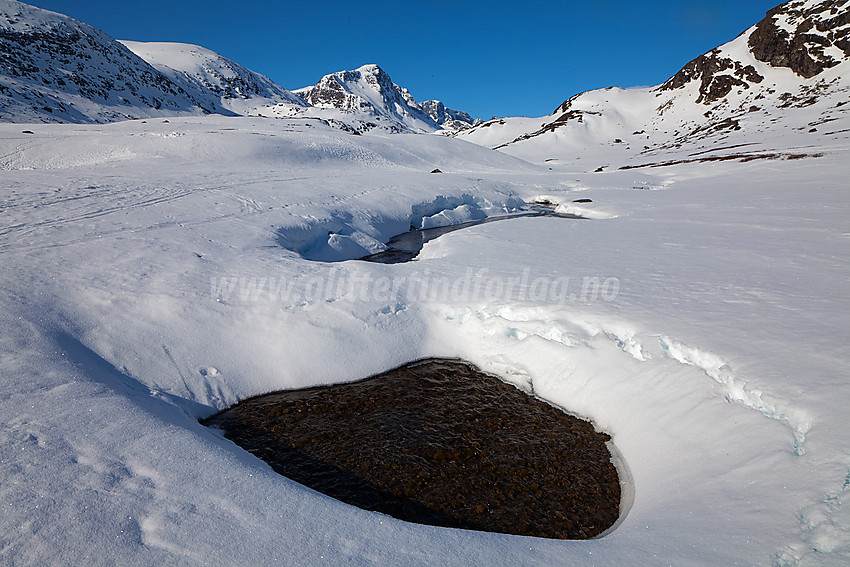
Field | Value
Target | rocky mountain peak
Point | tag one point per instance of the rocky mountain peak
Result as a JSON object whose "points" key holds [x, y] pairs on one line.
{"points": [[370, 90], [785, 74], [448, 118]]}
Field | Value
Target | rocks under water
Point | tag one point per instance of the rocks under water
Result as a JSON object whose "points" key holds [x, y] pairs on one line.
{"points": [[438, 442]]}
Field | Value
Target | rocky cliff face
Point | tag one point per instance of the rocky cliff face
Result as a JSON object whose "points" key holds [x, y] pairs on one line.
{"points": [[448, 118], [717, 75], [806, 37]]}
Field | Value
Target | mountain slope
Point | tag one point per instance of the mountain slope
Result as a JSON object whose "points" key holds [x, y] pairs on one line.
{"points": [[238, 88], [370, 93], [54, 68], [448, 118], [787, 75]]}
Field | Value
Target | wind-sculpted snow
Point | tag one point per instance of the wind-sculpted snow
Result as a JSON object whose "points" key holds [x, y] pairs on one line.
{"points": [[347, 237], [735, 391]]}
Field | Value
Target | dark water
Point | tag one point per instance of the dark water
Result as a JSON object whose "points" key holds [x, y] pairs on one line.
{"points": [[438, 442], [406, 246]]}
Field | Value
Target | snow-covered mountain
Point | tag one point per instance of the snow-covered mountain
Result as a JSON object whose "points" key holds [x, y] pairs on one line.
{"points": [[239, 88], [789, 72], [54, 68], [370, 93]]}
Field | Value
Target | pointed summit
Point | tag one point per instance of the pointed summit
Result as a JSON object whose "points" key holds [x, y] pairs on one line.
{"points": [[371, 91]]}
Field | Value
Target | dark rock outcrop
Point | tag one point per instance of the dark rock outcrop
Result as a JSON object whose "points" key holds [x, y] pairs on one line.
{"points": [[816, 27], [718, 75]]}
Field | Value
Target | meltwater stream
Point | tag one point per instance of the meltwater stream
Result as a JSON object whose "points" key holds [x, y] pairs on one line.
{"points": [[406, 246]]}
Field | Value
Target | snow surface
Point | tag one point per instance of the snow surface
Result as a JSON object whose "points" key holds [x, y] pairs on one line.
{"points": [[152, 274], [242, 90]]}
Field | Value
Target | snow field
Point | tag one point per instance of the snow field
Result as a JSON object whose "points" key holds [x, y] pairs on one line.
{"points": [[719, 366]]}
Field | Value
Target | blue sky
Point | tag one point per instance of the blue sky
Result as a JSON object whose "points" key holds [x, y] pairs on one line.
{"points": [[487, 58]]}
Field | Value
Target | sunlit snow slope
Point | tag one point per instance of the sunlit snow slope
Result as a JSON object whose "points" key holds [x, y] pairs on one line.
{"points": [[241, 90], [145, 284]]}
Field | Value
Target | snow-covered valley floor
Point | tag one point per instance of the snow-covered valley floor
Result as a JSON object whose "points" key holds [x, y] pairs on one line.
{"points": [[155, 272]]}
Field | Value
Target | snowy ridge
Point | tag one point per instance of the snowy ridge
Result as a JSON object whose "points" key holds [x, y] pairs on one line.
{"points": [[240, 89], [764, 80], [56, 69]]}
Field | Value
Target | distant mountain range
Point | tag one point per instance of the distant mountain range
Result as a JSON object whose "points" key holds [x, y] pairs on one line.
{"points": [[54, 68], [795, 58]]}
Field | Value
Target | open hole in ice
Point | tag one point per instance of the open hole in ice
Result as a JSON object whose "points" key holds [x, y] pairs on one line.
{"points": [[406, 246], [438, 442]]}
